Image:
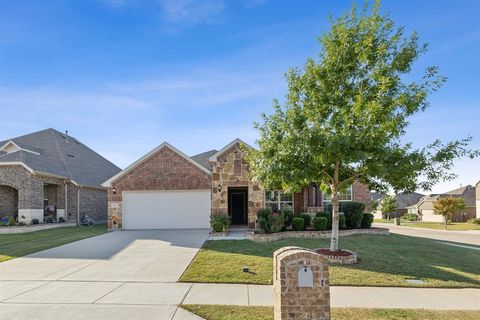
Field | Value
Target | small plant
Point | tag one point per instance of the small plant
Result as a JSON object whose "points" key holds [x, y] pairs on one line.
{"points": [[287, 217], [320, 223], [49, 220], [11, 221], [298, 224], [61, 219], [218, 226], [222, 220], [328, 216], [34, 221], [22, 224], [367, 220]]}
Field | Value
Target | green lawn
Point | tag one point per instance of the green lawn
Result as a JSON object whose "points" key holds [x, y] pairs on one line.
{"points": [[457, 226], [17, 245], [220, 312], [384, 260]]}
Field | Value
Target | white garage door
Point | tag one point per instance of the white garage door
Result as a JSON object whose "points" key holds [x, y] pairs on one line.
{"points": [[166, 210]]}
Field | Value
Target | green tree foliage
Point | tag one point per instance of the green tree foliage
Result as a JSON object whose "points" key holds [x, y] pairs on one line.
{"points": [[346, 112], [388, 206], [448, 206]]}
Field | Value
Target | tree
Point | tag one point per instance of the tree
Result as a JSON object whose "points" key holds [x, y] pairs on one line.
{"points": [[345, 114], [389, 205], [447, 207]]}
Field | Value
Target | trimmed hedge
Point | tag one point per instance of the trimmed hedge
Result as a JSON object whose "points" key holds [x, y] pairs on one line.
{"points": [[217, 226], [298, 224], [367, 220], [320, 223], [287, 217], [341, 222], [327, 216], [269, 222]]}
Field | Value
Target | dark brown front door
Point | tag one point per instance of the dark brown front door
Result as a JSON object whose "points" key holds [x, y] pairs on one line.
{"points": [[237, 205]]}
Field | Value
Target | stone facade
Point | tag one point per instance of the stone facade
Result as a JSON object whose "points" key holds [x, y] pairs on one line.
{"points": [[8, 201], [231, 170], [164, 170], [300, 284], [30, 200]]}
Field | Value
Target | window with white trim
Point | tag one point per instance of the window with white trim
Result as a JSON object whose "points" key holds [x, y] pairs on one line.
{"points": [[345, 195], [277, 200]]}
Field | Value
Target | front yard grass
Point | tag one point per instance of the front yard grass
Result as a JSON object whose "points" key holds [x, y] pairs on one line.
{"points": [[456, 226], [17, 245], [220, 312], [383, 261]]}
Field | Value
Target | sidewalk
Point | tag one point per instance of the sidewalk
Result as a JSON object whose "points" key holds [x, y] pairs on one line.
{"points": [[342, 297]]}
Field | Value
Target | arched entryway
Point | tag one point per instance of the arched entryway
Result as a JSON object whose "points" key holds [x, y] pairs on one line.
{"points": [[8, 202]]}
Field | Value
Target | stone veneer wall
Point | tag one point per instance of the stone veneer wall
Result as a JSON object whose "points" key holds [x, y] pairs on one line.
{"points": [[8, 201], [164, 170], [231, 170]]}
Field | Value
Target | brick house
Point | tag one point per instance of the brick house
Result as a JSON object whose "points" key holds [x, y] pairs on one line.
{"points": [[49, 174], [168, 189], [425, 206]]}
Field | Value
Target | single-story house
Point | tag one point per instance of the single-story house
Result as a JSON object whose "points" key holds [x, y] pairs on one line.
{"points": [[48, 174], [477, 197], [168, 189], [425, 205], [405, 200]]}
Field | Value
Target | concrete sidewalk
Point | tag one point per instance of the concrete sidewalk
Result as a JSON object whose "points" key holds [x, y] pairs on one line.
{"points": [[342, 297]]}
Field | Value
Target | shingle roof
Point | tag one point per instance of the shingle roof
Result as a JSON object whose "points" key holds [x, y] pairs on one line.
{"points": [[405, 200], [202, 158], [60, 156]]}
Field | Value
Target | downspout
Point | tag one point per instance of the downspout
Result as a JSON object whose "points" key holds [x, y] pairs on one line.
{"points": [[78, 205], [66, 202]]}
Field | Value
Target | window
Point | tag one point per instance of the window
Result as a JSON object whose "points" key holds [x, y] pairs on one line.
{"points": [[345, 195], [278, 200]]}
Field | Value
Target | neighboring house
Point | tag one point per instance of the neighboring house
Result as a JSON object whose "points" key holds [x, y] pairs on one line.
{"points": [[477, 197], [168, 189], [50, 173], [404, 200], [425, 205]]}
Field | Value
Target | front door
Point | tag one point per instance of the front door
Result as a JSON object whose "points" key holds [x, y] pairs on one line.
{"points": [[237, 205]]}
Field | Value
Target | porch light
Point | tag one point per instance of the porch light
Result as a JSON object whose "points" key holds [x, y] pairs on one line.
{"points": [[114, 190], [219, 187]]}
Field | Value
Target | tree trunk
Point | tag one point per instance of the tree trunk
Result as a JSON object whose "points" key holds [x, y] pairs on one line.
{"points": [[446, 222], [335, 221]]}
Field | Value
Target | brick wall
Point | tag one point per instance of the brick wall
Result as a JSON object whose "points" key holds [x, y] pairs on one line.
{"points": [[164, 170], [8, 201], [93, 202], [361, 193]]}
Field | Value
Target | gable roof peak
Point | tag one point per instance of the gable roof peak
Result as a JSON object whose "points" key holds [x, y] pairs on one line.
{"points": [[214, 157]]}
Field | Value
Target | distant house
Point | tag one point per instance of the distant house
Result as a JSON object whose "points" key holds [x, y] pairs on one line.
{"points": [[477, 192], [404, 202], [425, 205], [49, 176]]}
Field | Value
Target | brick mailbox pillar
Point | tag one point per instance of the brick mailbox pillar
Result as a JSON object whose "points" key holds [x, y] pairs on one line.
{"points": [[300, 283]]}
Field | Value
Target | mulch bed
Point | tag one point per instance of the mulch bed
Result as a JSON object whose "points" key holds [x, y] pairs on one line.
{"points": [[339, 253]]}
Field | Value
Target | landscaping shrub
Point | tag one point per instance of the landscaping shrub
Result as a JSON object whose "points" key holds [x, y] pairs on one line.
{"points": [[367, 220], [353, 212], [22, 224], [307, 218], [287, 217], [222, 219], [11, 221], [269, 222], [328, 216], [341, 222], [474, 221], [35, 221], [320, 223], [410, 217], [218, 226], [62, 219], [298, 224]]}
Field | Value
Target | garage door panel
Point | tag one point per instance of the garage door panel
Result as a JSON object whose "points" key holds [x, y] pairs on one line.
{"points": [[166, 210]]}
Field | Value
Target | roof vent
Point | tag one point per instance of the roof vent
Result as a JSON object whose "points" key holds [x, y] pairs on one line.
{"points": [[66, 136], [70, 155]]}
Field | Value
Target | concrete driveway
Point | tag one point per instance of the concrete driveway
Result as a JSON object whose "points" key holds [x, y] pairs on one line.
{"points": [[118, 275]]}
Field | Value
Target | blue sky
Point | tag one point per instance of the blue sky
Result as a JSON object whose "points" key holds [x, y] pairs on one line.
{"points": [[125, 75]]}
